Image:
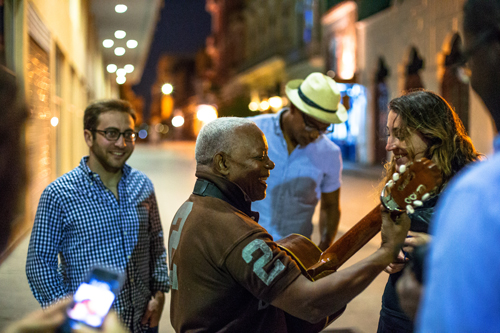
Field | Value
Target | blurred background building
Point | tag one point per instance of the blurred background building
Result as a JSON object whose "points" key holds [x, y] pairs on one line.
{"points": [[374, 49]]}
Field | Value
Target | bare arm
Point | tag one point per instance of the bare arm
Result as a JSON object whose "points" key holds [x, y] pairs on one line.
{"points": [[313, 301], [329, 218]]}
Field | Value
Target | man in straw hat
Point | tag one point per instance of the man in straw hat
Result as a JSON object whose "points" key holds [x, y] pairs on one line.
{"points": [[308, 164]]}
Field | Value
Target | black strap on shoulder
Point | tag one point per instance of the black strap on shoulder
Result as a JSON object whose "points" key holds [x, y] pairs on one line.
{"points": [[206, 188]]}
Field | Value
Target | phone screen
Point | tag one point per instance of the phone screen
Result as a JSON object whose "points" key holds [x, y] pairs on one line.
{"points": [[92, 301]]}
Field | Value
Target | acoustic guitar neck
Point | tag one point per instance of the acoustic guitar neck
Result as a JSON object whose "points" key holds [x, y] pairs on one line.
{"points": [[347, 245]]}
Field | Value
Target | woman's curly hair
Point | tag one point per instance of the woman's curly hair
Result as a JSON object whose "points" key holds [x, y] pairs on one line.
{"points": [[427, 113]]}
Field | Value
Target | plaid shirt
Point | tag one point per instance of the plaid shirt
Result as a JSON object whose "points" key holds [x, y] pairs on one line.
{"points": [[83, 222]]}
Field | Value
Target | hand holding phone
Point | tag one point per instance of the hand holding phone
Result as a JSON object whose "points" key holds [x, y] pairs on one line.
{"points": [[50, 320], [93, 299]]}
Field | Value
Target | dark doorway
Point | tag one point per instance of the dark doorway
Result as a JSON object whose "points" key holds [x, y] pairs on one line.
{"points": [[453, 88], [381, 102], [415, 64]]}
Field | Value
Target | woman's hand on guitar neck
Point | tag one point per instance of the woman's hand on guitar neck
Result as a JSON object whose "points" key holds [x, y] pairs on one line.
{"points": [[412, 240], [415, 239], [394, 230], [398, 265]]}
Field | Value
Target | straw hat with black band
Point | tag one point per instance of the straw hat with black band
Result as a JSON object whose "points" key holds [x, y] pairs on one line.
{"points": [[319, 97]]}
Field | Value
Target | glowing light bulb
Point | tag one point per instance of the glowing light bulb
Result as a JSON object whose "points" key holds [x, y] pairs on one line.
{"points": [[121, 72], [107, 43], [121, 79], [129, 68], [206, 113], [121, 8], [54, 121], [120, 34], [253, 106], [111, 68], [119, 51], [132, 44], [167, 88], [177, 121]]}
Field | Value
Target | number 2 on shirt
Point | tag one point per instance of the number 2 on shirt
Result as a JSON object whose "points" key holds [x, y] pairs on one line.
{"points": [[258, 266]]}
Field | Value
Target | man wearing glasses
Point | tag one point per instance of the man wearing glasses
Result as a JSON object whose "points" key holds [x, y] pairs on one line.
{"points": [[103, 213], [308, 165]]}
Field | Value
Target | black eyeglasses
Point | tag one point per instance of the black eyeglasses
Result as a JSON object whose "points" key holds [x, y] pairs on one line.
{"points": [[112, 134], [310, 127]]}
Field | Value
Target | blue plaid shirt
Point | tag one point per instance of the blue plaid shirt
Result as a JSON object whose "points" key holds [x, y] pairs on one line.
{"points": [[80, 221]]}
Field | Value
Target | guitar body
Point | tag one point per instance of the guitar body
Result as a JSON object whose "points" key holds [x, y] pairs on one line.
{"points": [[306, 254]]}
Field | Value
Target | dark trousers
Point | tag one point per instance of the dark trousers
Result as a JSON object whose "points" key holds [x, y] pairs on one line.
{"points": [[152, 330]]}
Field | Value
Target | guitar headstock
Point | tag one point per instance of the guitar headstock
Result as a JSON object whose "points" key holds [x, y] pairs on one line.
{"points": [[411, 185]]}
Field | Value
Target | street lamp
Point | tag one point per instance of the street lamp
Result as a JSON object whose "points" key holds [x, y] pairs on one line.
{"points": [[206, 113], [177, 121], [167, 89]]}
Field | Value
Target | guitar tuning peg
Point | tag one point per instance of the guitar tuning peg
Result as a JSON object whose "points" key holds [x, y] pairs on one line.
{"points": [[402, 168], [426, 196], [417, 203], [395, 176], [409, 209], [390, 183]]}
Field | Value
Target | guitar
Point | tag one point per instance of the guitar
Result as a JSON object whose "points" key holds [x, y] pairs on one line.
{"points": [[408, 188]]}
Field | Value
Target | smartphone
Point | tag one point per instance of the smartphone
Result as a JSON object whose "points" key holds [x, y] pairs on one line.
{"points": [[93, 299]]}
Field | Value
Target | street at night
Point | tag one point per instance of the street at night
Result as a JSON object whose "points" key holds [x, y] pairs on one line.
{"points": [[319, 93], [171, 167]]}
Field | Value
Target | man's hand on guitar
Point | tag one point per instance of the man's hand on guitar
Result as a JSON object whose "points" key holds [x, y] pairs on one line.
{"points": [[394, 230]]}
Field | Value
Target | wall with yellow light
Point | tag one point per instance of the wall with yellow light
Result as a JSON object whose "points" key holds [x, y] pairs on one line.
{"points": [[75, 75], [60, 69]]}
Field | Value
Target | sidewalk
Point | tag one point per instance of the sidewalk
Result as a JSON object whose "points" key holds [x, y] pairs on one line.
{"points": [[16, 299], [373, 172]]}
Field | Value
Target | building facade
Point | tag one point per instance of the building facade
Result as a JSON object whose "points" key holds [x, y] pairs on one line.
{"points": [[374, 50], [416, 40], [266, 43]]}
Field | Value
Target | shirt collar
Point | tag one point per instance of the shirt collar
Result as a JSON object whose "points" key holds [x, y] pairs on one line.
{"points": [[86, 170], [234, 194], [496, 144]]}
